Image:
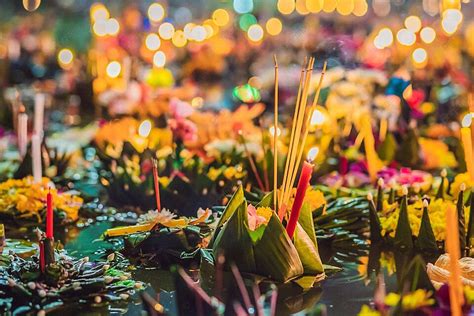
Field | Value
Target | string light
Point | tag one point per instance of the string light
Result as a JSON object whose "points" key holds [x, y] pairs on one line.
{"points": [[113, 69], [255, 33], [166, 30], [314, 6], [159, 59], [428, 35], [198, 33], [156, 12], [274, 26], [152, 41], [329, 5]]}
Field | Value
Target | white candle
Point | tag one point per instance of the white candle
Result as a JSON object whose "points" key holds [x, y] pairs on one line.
{"points": [[36, 157], [22, 133], [39, 114]]}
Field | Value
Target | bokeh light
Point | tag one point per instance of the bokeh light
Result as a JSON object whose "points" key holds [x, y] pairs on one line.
{"points": [[345, 7], [428, 35], [159, 59], [419, 55], [286, 6], [360, 7], [65, 57], [255, 33], [179, 39], [243, 6], [156, 12], [166, 30], [247, 20], [112, 27], [99, 12], [221, 17], [413, 23], [274, 26], [406, 37], [113, 69], [152, 41]]}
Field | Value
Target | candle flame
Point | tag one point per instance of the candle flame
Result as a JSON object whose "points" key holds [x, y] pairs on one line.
{"points": [[313, 153], [145, 128], [318, 118], [272, 131], [467, 120]]}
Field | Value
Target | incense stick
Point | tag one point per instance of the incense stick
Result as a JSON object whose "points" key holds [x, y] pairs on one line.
{"points": [[252, 163], [306, 129], [293, 126], [275, 138], [301, 115]]}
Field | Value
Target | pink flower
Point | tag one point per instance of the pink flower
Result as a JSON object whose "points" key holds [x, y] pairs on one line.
{"points": [[255, 220], [180, 109], [183, 129]]}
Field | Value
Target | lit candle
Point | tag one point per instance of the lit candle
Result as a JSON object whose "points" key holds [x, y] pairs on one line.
{"points": [[39, 114], [456, 296], [36, 157], [467, 144], [156, 180], [22, 133], [49, 215], [303, 185]]}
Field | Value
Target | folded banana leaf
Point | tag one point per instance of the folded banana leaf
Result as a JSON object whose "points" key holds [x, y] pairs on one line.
{"points": [[268, 250]]}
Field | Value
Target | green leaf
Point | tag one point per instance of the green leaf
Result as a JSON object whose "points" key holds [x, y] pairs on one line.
{"points": [[374, 222], [415, 275], [387, 148], [403, 234], [306, 222], [236, 200], [266, 201], [134, 240], [426, 240], [234, 241], [441, 189], [275, 255], [308, 252]]}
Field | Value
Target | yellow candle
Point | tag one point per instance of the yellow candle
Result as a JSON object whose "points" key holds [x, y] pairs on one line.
{"points": [[467, 144], [373, 162], [456, 296]]}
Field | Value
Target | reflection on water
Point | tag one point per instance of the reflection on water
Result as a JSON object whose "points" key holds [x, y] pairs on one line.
{"points": [[355, 284]]}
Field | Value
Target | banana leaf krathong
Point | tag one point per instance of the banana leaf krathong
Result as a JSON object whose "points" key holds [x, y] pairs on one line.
{"points": [[24, 289], [163, 240], [267, 251], [128, 181], [427, 238]]}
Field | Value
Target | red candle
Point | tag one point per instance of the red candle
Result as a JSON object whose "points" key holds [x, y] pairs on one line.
{"points": [[49, 215], [303, 184], [157, 184]]}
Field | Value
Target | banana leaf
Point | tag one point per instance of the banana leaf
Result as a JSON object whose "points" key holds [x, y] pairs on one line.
{"points": [[403, 234], [387, 148], [375, 227], [426, 240], [267, 251]]}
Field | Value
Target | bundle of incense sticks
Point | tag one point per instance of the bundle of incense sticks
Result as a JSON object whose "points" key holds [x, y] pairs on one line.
{"points": [[299, 133]]}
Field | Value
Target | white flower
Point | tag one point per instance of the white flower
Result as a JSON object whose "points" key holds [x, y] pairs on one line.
{"points": [[156, 216]]}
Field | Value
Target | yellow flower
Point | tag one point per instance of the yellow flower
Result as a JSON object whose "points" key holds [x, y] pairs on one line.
{"points": [[458, 180], [411, 301], [436, 212], [314, 198], [214, 173], [367, 311], [436, 154]]}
